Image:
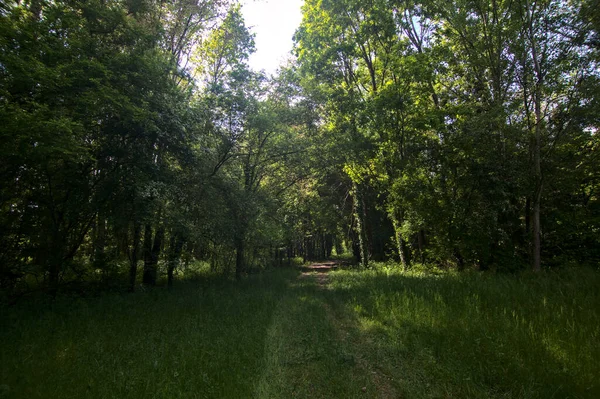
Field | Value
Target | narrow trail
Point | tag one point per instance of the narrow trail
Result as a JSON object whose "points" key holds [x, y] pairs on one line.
{"points": [[319, 272], [342, 323], [311, 349]]}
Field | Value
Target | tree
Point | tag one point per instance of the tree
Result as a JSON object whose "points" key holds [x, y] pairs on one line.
{"points": [[439, 102]]}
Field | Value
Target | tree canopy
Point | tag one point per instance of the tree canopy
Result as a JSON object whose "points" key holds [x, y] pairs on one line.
{"points": [[460, 133]]}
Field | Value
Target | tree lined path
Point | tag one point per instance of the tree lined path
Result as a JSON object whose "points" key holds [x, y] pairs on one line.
{"points": [[458, 133], [426, 139]]}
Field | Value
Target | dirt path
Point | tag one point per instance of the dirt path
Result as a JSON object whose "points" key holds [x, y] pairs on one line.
{"points": [[305, 355], [319, 272], [341, 324]]}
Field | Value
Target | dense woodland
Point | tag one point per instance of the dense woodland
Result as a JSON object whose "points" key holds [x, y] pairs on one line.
{"points": [[135, 141]]}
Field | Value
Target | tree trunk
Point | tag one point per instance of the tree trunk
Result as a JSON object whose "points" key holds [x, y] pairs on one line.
{"points": [[53, 258], [175, 249], [421, 243], [147, 276], [156, 249], [133, 258], [537, 244], [152, 253], [100, 244], [537, 100], [527, 215], [355, 243], [359, 214], [239, 257], [338, 246], [329, 245], [460, 262], [54, 266], [400, 244]]}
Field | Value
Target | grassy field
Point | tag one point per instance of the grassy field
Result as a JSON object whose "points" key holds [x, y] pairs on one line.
{"points": [[283, 334]]}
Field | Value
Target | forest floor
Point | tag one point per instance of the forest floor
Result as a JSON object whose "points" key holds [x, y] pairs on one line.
{"points": [[320, 331]]}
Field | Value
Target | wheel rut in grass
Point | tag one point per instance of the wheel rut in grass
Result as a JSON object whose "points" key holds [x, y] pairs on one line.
{"points": [[342, 323], [311, 348]]}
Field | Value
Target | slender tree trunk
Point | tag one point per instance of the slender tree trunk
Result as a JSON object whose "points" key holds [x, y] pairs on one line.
{"points": [[527, 215], [100, 244], [400, 244], [421, 243], [133, 258], [537, 99], [239, 257], [367, 228], [329, 244], [459, 259], [54, 260], [156, 249], [151, 254], [175, 249], [359, 214], [338, 246], [537, 244], [147, 276], [537, 196], [54, 266]]}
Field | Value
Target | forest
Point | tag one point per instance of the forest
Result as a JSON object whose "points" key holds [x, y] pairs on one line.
{"points": [[462, 134], [449, 144]]}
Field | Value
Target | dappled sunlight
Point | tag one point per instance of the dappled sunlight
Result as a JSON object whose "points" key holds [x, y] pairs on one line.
{"points": [[489, 326], [284, 334], [407, 207]]}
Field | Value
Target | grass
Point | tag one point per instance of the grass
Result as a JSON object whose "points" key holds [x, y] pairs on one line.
{"points": [[196, 341], [358, 334], [477, 335]]}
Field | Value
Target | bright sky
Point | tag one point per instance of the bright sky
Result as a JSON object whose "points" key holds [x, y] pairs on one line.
{"points": [[274, 23]]}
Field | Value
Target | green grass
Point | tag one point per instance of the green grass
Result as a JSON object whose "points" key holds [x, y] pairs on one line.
{"points": [[196, 341], [477, 335], [305, 356], [376, 333]]}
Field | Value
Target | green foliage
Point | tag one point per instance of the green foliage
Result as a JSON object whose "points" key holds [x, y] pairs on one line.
{"points": [[445, 135], [450, 133], [432, 109]]}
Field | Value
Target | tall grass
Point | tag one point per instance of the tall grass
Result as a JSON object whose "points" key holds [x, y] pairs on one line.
{"points": [[376, 333], [195, 341], [478, 335]]}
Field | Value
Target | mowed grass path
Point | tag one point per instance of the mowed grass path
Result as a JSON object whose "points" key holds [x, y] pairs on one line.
{"points": [[280, 334]]}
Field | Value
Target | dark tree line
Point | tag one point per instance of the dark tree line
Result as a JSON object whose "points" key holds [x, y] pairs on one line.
{"points": [[134, 137]]}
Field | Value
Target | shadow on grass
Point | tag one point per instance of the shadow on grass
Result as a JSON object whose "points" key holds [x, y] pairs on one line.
{"points": [[475, 335], [201, 339], [305, 357], [283, 334]]}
